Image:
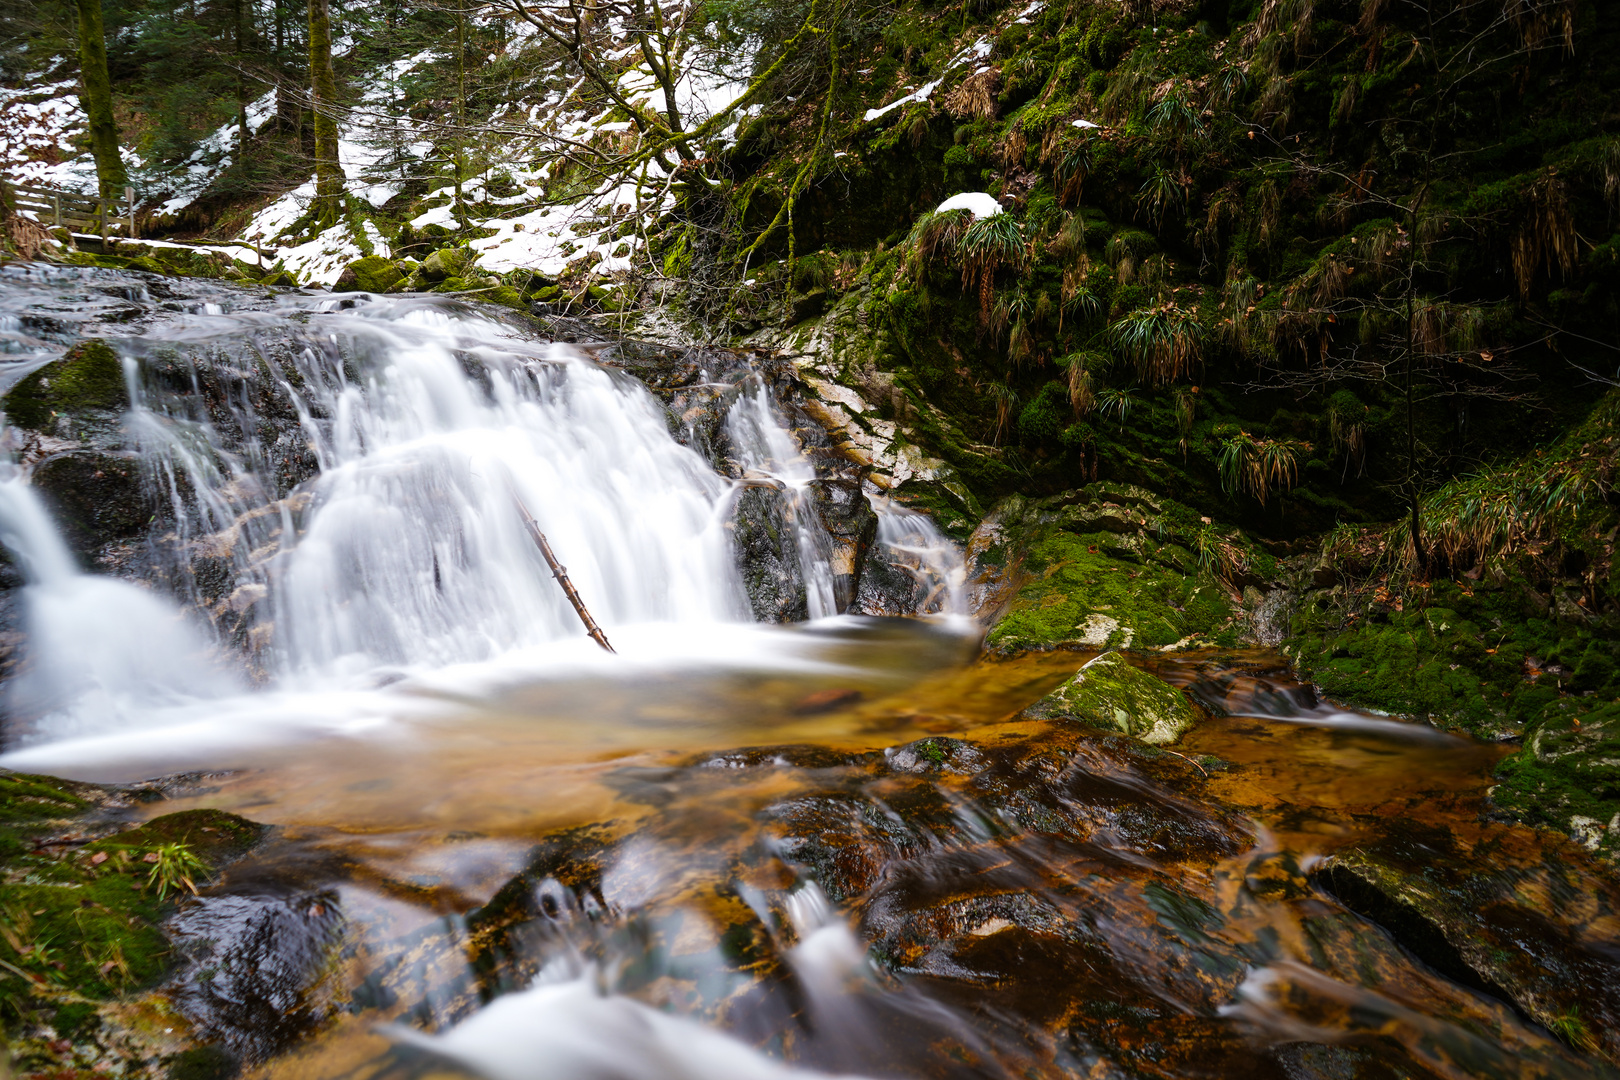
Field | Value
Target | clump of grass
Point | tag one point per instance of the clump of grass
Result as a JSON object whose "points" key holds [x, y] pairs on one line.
{"points": [[1164, 342], [1259, 467], [176, 865], [986, 246]]}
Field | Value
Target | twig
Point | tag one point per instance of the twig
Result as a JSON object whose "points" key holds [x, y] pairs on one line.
{"points": [[560, 572]]}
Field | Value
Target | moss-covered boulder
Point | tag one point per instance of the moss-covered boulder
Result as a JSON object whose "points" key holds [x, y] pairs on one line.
{"points": [[95, 497], [373, 274], [1105, 566], [1568, 775], [280, 279], [89, 377], [446, 263], [1110, 694]]}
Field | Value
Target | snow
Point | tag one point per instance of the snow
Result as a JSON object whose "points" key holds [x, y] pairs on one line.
{"points": [[1083, 124], [920, 94], [981, 204]]}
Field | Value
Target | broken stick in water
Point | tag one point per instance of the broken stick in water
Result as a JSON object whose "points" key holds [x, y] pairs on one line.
{"points": [[560, 572]]}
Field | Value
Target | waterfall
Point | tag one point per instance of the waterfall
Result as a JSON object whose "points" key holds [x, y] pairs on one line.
{"points": [[103, 653], [351, 515]]}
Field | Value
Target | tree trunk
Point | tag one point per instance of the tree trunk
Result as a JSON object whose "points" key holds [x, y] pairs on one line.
{"points": [[96, 95], [323, 97], [241, 88]]}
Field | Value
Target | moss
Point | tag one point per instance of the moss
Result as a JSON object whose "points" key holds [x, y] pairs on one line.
{"points": [[1110, 694], [90, 376], [1099, 570]]}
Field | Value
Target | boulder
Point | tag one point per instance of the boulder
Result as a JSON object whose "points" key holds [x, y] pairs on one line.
{"points": [[1110, 694], [89, 377], [446, 263], [279, 279], [373, 274], [96, 497]]}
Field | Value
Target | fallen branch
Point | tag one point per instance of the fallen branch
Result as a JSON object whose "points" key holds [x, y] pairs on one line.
{"points": [[560, 572]]}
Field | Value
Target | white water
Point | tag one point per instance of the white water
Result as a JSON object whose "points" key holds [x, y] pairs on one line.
{"points": [[102, 652], [405, 563]]}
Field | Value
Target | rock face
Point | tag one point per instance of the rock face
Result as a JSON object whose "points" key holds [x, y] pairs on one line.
{"points": [[1109, 694], [95, 497]]}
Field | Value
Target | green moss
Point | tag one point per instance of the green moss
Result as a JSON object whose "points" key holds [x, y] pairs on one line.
{"points": [[1110, 694], [1102, 567], [87, 917], [90, 376]]}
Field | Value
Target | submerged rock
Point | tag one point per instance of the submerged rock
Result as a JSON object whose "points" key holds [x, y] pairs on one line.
{"points": [[1110, 694], [1526, 931]]}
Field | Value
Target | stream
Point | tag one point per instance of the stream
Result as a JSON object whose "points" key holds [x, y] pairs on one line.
{"points": [[731, 848]]}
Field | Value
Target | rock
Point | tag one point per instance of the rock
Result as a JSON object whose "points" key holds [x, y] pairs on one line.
{"points": [[1526, 930], [809, 305], [149, 265], [446, 263], [279, 279], [373, 274], [1110, 694], [1105, 566], [95, 497], [1568, 776], [90, 377]]}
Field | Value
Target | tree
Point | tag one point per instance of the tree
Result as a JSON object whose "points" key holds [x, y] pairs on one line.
{"points": [[323, 103], [96, 95]]}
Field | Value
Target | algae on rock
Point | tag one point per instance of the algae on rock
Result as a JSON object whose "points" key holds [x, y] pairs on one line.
{"points": [[1111, 694]]}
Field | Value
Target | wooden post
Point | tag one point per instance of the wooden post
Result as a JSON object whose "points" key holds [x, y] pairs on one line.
{"points": [[560, 572], [103, 208], [129, 200], [56, 201]]}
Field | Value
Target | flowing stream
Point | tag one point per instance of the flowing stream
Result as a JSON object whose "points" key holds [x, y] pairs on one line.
{"points": [[728, 850]]}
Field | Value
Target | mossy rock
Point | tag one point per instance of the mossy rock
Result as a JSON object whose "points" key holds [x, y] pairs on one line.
{"points": [[86, 917], [373, 274], [1099, 567], [1110, 694], [506, 296], [90, 376], [150, 265], [446, 263], [1568, 775], [280, 279]]}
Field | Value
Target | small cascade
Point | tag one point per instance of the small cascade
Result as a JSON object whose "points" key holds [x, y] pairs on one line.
{"points": [[911, 543], [767, 451], [102, 653]]}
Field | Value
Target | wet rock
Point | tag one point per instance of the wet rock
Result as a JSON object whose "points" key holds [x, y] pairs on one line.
{"points": [[95, 497], [1110, 694], [279, 279], [1568, 777], [254, 970], [1528, 934], [373, 274], [89, 378], [768, 556]]}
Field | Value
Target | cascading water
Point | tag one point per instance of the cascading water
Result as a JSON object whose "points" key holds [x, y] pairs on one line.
{"points": [[103, 653], [423, 431]]}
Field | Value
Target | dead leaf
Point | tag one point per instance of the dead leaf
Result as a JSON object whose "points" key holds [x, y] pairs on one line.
{"points": [[98, 858], [150, 856]]}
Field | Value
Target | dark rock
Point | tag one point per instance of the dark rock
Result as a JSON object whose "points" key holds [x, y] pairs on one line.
{"points": [[95, 497], [1528, 934]]}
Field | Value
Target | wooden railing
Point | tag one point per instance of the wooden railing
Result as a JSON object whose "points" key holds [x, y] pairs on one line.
{"points": [[81, 213]]}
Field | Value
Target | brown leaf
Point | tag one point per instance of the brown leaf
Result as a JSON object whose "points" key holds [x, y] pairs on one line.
{"points": [[150, 856], [98, 858]]}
